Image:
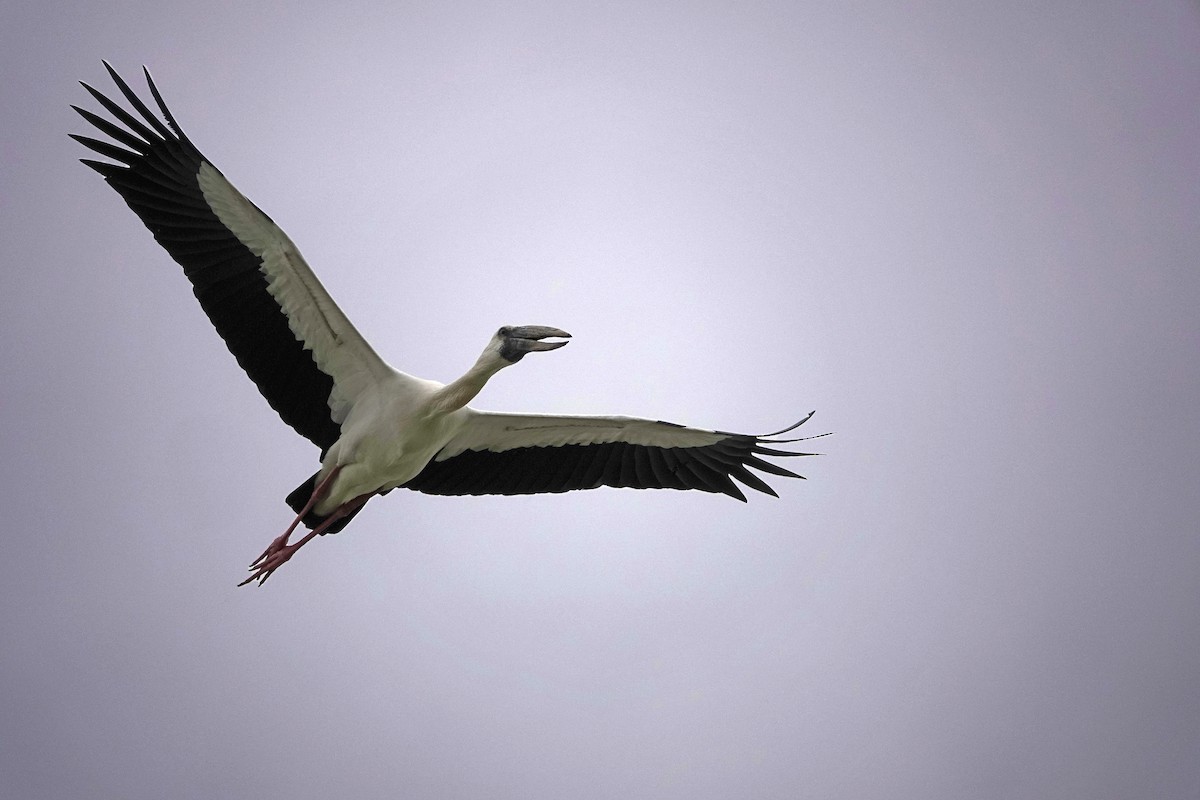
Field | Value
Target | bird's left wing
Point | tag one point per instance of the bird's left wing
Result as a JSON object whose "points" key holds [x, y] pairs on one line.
{"points": [[278, 321], [532, 454]]}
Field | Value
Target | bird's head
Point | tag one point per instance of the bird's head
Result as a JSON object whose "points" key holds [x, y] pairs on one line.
{"points": [[512, 342]]}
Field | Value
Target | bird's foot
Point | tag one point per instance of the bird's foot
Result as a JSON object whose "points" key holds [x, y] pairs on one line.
{"points": [[279, 551], [280, 543], [275, 556]]}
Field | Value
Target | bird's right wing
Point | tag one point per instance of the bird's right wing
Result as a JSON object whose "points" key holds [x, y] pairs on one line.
{"points": [[536, 453], [278, 321]]}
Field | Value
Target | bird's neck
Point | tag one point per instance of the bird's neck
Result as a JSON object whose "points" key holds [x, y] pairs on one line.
{"points": [[458, 393]]}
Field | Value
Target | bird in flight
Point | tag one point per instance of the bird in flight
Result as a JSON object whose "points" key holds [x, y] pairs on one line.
{"points": [[378, 428]]}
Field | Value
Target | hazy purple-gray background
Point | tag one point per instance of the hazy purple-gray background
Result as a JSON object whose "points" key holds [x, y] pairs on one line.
{"points": [[966, 234]]}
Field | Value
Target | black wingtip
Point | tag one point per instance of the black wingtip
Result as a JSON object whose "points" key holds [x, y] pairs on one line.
{"points": [[136, 102], [797, 439], [104, 168], [727, 486], [162, 106], [121, 114], [116, 76], [790, 427], [105, 149], [768, 467]]}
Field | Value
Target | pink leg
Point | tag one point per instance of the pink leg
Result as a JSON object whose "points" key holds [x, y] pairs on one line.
{"points": [[282, 554], [281, 541]]}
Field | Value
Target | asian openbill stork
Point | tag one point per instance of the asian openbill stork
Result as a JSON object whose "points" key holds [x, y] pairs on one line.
{"points": [[378, 428]]}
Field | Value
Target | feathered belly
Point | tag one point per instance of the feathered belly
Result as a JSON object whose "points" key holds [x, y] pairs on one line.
{"points": [[371, 464]]}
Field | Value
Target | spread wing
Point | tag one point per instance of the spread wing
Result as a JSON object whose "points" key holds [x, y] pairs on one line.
{"points": [[531, 454], [278, 321]]}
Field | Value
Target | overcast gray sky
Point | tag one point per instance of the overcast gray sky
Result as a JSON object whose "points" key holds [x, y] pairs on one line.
{"points": [[965, 233]]}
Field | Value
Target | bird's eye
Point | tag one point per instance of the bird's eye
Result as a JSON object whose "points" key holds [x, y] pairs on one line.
{"points": [[504, 331]]}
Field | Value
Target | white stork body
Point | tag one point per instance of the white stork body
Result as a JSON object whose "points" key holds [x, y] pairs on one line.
{"points": [[378, 428]]}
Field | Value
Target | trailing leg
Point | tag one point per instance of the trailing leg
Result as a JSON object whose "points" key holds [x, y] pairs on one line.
{"points": [[263, 567], [281, 541]]}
